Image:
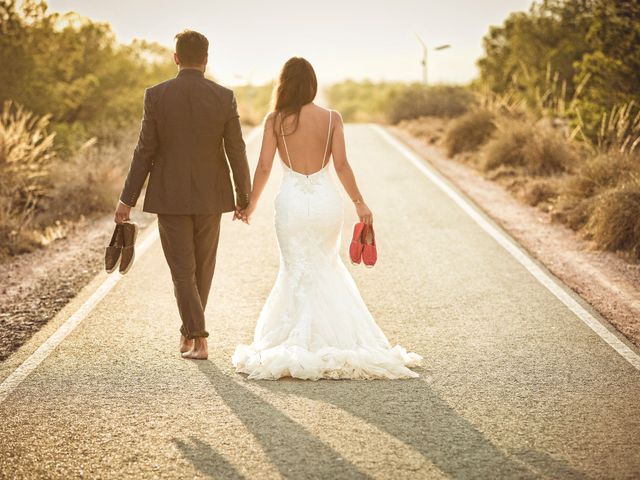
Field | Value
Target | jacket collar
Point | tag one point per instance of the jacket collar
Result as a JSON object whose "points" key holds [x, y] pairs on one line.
{"points": [[190, 72]]}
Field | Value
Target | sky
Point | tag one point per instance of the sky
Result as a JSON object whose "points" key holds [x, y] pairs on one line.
{"points": [[343, 39]]}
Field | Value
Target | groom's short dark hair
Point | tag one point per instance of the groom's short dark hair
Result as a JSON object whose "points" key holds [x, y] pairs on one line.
{"points": [[191, 47]]}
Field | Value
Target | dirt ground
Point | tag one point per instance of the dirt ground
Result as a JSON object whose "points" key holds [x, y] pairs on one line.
{"points": [[608, 282]]}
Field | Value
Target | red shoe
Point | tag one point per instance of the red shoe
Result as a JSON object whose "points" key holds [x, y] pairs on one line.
{"points": [[369, 251], [355, 249]]}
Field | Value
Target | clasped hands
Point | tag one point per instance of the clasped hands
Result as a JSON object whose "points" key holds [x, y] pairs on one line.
{"points": [[244, 214]]}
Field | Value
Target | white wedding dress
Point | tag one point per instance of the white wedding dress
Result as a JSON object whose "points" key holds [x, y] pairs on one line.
{"points": [[314, 323]]}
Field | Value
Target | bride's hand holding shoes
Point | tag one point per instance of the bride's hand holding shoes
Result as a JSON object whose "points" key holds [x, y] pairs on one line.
{"points": [[363, 212]]}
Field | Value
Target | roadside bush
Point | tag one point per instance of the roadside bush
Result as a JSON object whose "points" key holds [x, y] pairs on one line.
{"points": [[530, 147], [87, 183], [42, 193], [437, 101], [362, 101], [614, 223], [428, 129], [26, 153], [253, 102], [541, 190], [393, 102], [469, 131], [605, 171]]}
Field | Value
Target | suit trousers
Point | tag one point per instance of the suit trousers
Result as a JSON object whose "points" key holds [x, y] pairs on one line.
{"points": [[190, 244]]}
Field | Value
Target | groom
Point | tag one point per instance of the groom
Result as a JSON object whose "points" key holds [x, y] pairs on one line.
{"points": [[188, 125]]}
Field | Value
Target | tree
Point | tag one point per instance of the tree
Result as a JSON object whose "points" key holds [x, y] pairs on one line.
{"points": [[74, 69], [612, 64], [594, 44]]}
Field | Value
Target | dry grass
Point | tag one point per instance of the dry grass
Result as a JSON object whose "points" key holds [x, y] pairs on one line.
{"points": [[533, 148], [590, 178], [430, 130], [42, 194], [592, 189], [614, 223], [26, 154], [542, 192], [469, 132], [87, 183], [620, 128]]}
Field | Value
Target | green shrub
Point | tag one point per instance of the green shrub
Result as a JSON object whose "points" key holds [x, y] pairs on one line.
{"points": [[437, 101], [253, 102], [393, 102], [362, 101], [469, 131], [533, 148], [74, 69]]}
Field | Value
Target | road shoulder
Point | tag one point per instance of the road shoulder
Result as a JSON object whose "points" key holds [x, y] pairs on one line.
{"points": [[602, 279]]}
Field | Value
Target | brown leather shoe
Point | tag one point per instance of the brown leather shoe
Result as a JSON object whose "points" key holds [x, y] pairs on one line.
{"points": [[114, 250], [129, 234]]}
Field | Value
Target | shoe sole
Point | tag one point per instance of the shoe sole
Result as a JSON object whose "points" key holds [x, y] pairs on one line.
{"points": [[133, 256]]}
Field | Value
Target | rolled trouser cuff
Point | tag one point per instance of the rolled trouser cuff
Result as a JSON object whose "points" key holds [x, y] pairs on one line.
{"points": [[200, 333]]}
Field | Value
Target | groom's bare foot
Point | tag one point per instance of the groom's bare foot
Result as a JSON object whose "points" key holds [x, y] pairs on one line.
{"points": [[186, 344], [200, 350]]}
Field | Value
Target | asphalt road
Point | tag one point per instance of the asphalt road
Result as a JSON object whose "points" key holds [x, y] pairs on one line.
{"points": [[514, 385]]}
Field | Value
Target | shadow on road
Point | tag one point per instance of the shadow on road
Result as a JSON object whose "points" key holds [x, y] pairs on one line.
{"points": [[409, 410], [412, 412], [206, 460], [294, 451]]}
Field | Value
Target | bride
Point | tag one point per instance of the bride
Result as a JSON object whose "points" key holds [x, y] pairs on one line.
{"points": [[314, 323]]}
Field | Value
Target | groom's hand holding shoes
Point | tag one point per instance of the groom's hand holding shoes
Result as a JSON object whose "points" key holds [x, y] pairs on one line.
{"points": [[123, 213]]}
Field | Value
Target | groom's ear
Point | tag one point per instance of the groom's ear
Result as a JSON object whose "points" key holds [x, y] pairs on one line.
{"points": [[176, 59]]}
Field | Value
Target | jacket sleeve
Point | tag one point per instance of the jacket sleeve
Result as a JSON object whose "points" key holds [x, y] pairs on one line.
{"points": [[143, 154], [235, 149]]}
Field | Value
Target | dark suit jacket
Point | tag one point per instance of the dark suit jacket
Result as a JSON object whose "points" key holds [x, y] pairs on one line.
{"points": [[189, 123]]}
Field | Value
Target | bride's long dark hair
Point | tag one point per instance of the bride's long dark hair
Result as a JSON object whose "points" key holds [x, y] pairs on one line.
{"points": [[297, 85]]}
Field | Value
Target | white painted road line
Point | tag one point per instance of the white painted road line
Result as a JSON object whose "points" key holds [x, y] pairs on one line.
{"points": [[43, 351], [516, 252], [36, 358]]}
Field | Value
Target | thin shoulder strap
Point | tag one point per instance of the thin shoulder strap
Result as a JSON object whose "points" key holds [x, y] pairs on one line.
{"points": [[284, 140], [326, 147]]}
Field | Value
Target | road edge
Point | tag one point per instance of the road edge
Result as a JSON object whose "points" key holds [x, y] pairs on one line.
{"points": [[576, 304], [29, 356]]}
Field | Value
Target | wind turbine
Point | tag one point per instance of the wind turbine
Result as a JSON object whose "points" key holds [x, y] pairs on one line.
{"points": [[425, 56]]}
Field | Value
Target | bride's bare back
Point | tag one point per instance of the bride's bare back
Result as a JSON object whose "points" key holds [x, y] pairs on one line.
{"points": [[309, 144], [306, 145]]}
